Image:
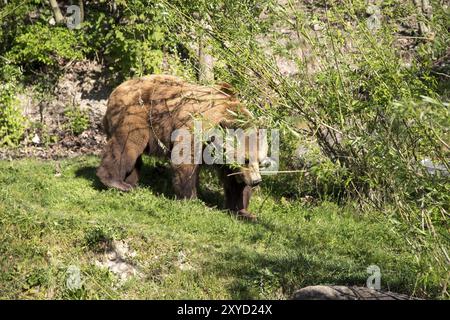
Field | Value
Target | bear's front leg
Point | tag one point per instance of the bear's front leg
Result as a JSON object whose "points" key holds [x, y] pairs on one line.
{"points": [[185, 180], [133, 178], [237, 195], [121, 160]]}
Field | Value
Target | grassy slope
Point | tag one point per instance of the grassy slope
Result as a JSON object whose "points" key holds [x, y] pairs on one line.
{"points": [[48, 222]]}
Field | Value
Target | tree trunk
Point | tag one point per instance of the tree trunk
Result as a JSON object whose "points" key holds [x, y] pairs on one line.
{"points": [[59, 18], [80, 4], [205, 61]]}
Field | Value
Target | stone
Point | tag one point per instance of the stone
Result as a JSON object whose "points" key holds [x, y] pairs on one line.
{"points": [[36, 139], [321, 292]]}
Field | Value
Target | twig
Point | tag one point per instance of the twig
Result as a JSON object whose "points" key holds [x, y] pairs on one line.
{"points": [[281, 171], [441, 74]]}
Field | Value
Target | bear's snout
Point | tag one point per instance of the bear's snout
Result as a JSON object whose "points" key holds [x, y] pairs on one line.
{"points": [[256, 182], [251, 175]]}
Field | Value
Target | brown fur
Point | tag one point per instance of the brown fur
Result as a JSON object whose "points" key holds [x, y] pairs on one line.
{"points": [[141, 116]]}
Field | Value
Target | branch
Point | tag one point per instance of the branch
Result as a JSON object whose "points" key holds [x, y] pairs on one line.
{"points": [[59, 18]]}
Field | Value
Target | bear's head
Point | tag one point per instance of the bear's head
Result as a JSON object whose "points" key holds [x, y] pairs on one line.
{"points": [[246, 149], [249, 152], [255, 158]]}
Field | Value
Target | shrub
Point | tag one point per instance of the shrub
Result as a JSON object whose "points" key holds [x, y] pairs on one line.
{"points": [[131, 39], [41, 44], [12, 123], [77, 120]]}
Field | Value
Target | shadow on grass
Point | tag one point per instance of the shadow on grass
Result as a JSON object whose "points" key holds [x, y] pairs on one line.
{"points": [[155, 178], [257, 275], [158, 178]]}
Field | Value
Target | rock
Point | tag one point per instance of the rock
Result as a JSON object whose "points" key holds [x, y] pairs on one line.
{"points": [[117, 260], [346, 293], [36, 139], [434, 168]]}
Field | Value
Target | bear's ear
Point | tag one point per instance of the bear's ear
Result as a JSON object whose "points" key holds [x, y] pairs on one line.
{"points": [[226, 88], [240, 118], [227, 124]]}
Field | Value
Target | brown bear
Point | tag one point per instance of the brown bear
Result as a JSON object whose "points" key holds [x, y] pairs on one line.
{"points": [[142, 115]]}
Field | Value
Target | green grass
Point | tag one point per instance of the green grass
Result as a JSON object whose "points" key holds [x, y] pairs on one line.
{"points": [[49, 222]]}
